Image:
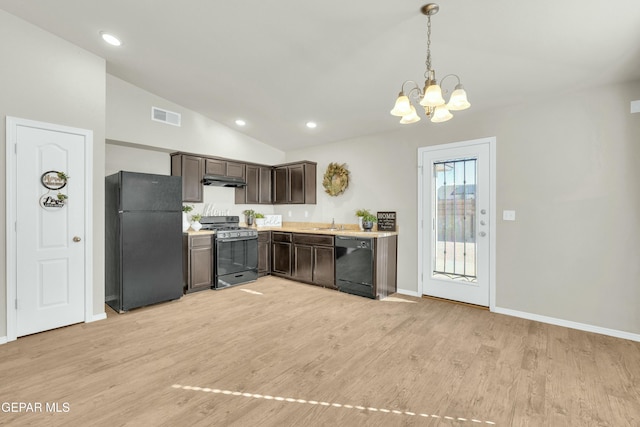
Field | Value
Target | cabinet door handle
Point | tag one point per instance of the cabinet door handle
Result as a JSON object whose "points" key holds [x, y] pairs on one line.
{"points": [[76, 239]]}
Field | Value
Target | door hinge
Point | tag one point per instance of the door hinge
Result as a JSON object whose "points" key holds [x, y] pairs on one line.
{"points": [[16, 226], [15, 148], [16, 303]]}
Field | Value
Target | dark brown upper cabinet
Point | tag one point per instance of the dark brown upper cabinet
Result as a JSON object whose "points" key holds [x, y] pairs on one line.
{"points": [[294, 183], [258, 189], [291, 183], [224, 168], [191, 169]]}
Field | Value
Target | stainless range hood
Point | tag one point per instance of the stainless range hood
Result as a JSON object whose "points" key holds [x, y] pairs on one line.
{"points": [[223, 181]]}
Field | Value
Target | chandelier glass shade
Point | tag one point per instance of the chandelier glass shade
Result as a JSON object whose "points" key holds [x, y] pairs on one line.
{"points": [[431, 96]]}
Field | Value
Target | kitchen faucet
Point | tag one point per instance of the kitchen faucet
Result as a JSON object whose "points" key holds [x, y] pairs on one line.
{"points": [[333, 223]]}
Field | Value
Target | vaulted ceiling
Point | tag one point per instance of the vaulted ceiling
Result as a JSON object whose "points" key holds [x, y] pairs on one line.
{"points": [[278, 64]]}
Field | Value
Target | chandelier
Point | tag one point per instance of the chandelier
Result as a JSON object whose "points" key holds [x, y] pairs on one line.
{"points": [[431, 96]]}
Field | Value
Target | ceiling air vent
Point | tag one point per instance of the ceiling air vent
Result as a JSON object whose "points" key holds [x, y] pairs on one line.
{"points": [[165, 116]]}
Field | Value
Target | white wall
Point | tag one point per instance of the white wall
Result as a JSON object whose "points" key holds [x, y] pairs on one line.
{"points": [[129, 121], [569, 169], [133, 158], [138, 144], [45, 78]]}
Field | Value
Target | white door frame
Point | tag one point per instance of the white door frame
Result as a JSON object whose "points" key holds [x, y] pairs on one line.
{"points": [[12, 124], [492, 213]]}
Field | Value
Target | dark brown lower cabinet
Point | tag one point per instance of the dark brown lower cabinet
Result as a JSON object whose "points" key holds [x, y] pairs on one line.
{"points": [[198, 262], [310, 258], [324, 266], [313, 259], [303, 263], [281, 254], [264, 253]]}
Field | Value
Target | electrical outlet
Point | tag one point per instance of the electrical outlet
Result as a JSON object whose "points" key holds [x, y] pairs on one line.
{"points": [[509, 215], [635, 106]]}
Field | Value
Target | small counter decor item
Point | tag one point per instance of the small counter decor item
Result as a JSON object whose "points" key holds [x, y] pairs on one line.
{"points": [[259, 219], [361, 213], [195, 222], [367, 221], [249, 215], [185, 222], [336, 179], [386, 221]]}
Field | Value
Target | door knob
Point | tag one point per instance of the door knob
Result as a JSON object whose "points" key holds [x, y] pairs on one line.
{"points": [[76, 239], [482, 234]]}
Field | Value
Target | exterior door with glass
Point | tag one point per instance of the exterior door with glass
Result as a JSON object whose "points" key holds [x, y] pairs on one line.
{"points": [[456, 212]]}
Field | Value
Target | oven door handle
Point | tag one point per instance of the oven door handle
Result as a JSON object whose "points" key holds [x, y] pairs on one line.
{"points": [[236, 239]]}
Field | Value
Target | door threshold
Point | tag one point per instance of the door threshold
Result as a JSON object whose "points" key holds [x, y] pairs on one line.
{"points": [[466, 304]]}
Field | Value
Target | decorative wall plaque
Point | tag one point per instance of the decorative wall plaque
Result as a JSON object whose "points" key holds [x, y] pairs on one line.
{"points": [[386, 221], [52, 202], [54, 180]]}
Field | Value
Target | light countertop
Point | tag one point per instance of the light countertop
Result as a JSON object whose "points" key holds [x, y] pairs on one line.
{"points": [[351, 230]]}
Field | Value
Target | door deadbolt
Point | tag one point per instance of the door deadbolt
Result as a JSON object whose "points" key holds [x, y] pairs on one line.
{"points": [[482, 234], [76, 239]]}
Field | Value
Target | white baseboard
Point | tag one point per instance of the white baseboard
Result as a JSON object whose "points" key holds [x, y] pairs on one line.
{"points": [[96, 317], [3, 340], [409, 293], [569, 324]]}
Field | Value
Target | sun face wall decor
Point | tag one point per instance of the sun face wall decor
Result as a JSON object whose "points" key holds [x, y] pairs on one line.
{"points": [[336, 179]]}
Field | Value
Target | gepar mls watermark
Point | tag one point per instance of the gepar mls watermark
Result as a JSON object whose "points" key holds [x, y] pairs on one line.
{"points": [[35, 407]]}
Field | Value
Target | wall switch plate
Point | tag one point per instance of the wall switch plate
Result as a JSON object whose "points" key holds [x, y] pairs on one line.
{"points": [[509, 215], [635, 106]]}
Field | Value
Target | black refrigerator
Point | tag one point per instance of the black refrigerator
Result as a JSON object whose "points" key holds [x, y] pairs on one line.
{"points": [[143, 234]]}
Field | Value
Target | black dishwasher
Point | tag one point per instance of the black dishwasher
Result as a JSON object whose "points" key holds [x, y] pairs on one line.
{"points": [[354, 265]]}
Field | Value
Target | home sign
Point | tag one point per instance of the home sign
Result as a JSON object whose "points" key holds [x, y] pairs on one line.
{"points": [[386, 221]]}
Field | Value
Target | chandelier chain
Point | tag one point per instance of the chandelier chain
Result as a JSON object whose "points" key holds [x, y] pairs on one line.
{"points": [[428, 61]]}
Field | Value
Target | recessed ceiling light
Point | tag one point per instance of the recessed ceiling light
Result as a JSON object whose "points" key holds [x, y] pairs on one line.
{"points": [[312, 125], [110, 38], [240, 122]]}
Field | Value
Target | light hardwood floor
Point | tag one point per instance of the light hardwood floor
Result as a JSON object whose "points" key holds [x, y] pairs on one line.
{"points": [[298, 355]]}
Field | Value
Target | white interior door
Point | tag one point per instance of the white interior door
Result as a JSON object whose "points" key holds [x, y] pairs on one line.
{"points": [[50, 232], [457, 211]]}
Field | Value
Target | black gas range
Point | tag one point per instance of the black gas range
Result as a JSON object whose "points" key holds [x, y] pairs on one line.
{"points": [[235, 251]]}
